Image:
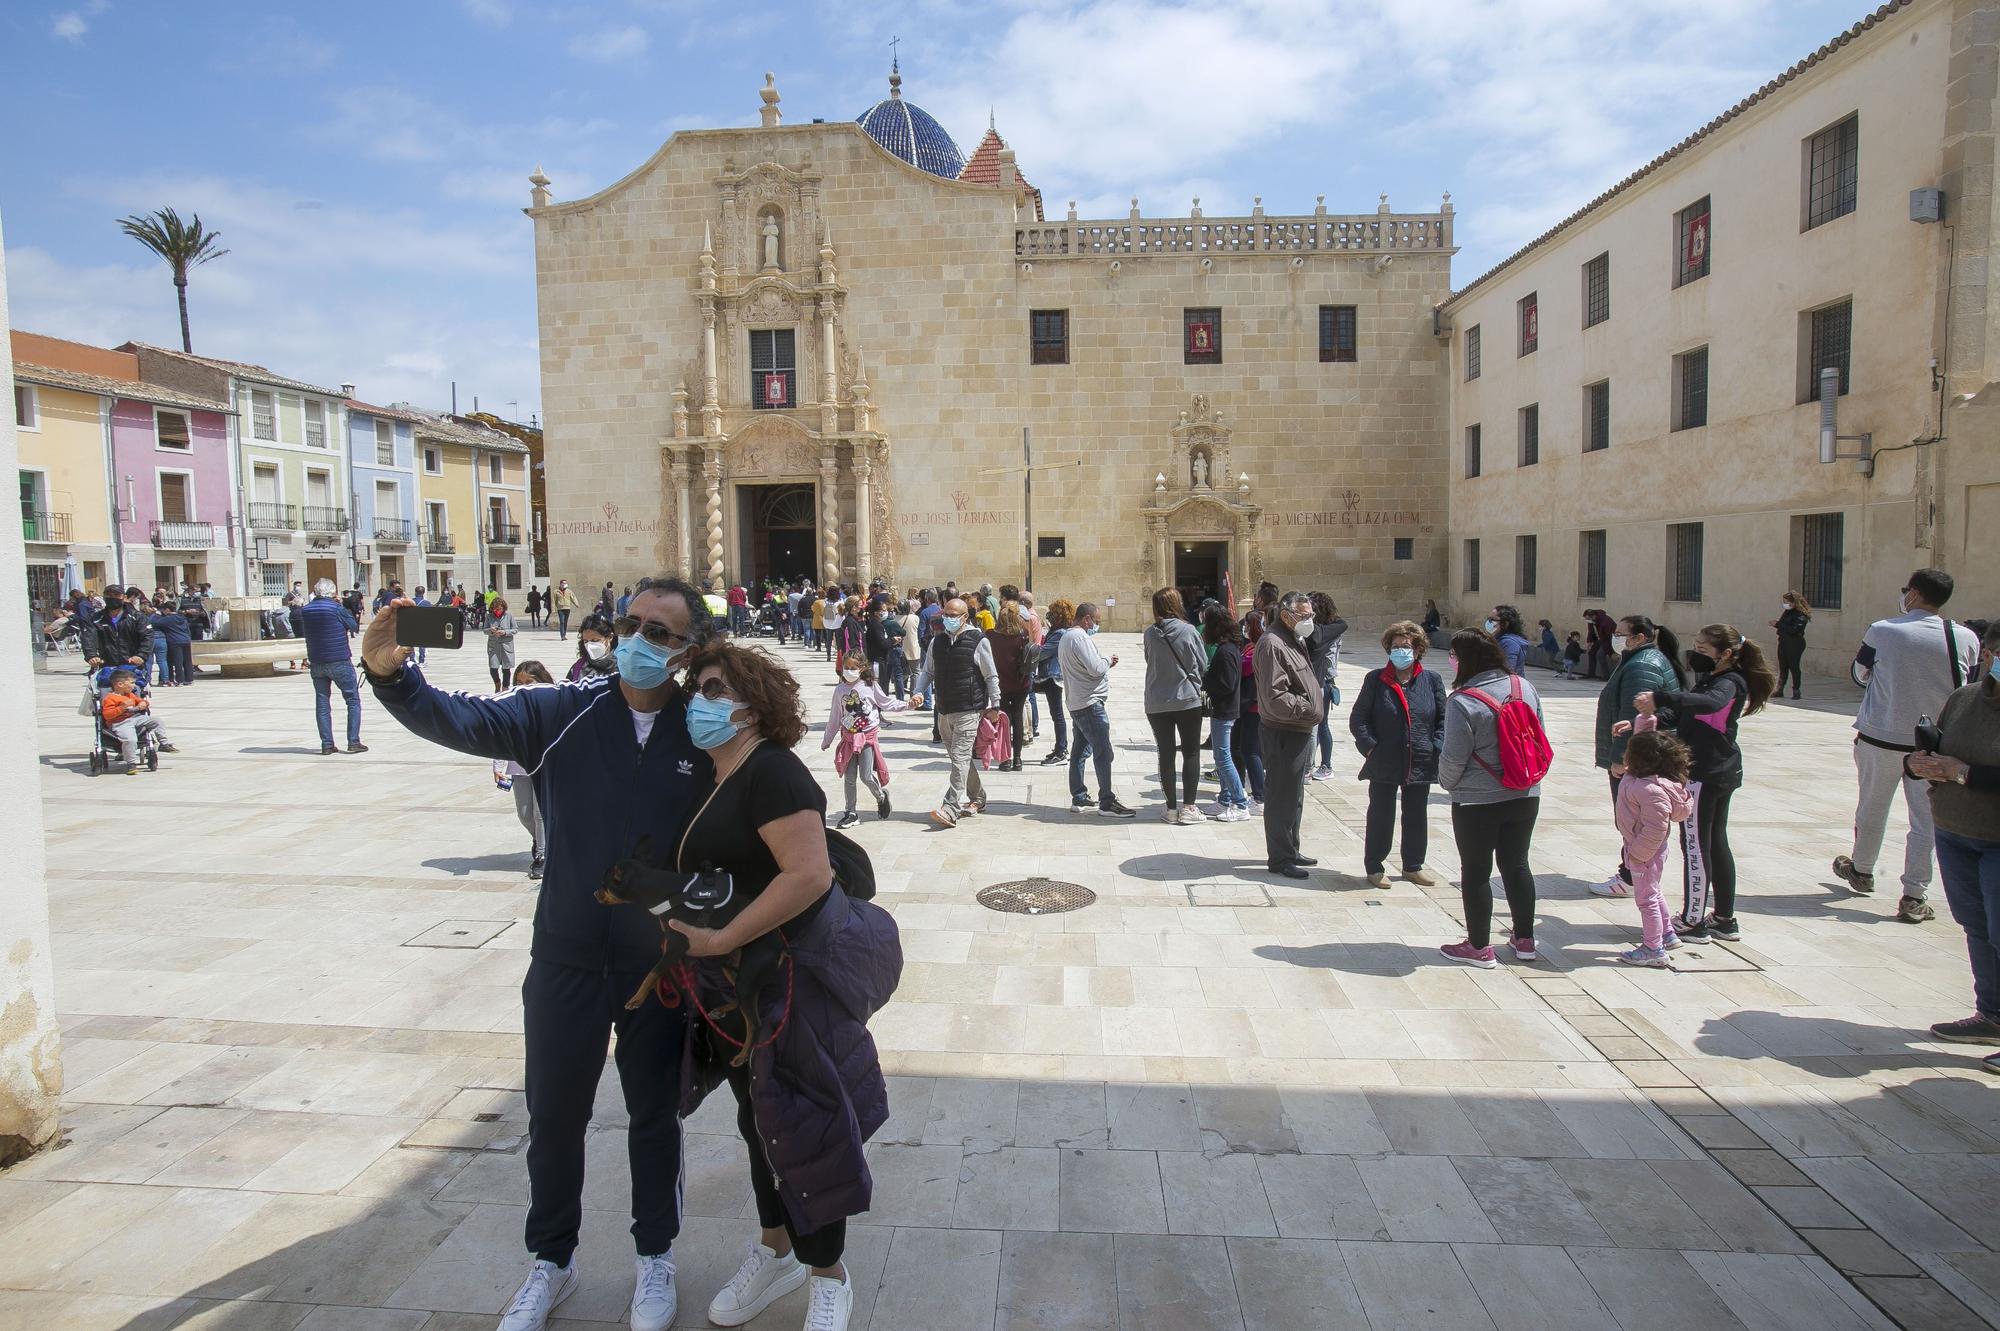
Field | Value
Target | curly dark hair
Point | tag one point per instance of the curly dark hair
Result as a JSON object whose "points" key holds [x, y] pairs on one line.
{"points": [[758, 681]]}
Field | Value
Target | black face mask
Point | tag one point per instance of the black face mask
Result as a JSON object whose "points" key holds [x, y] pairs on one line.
{"points": [[1701, 662]]}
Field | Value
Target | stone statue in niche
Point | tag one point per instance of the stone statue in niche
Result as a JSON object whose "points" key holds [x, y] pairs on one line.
{"points": [[1200, 466], [770, 241]]}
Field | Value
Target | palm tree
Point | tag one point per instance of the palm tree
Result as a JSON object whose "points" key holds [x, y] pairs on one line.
{"points": [[183, 245]]}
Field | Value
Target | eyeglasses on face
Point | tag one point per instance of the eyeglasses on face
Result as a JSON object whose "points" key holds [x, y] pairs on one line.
{"points": [[651, 630], [715, 689]]}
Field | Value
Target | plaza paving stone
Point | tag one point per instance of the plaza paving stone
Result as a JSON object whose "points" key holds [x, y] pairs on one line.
{"points": [[290, 993]]}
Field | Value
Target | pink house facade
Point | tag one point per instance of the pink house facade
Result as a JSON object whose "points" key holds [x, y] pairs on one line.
{"points": [[176, 499]]}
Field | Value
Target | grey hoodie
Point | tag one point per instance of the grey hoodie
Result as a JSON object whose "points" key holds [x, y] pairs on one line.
{"points": [[1174, 662], [1472, 742]]}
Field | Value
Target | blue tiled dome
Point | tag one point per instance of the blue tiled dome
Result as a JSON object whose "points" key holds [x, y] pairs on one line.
{"points": [[911, 133]]}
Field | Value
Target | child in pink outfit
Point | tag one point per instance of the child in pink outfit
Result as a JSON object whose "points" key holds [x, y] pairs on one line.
{"points": [[1652, 797], [854, 722]]}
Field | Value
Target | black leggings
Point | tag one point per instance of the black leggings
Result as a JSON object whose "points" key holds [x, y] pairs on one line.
{"points": [[1624, 869], [1483, 831], [1709, 873], [822, 1247], [1791, 653], [1015, 705], [1186, 726]]}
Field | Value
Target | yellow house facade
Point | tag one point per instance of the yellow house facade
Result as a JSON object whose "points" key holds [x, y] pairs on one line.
{"points": [[65, 503], [471, 487]]}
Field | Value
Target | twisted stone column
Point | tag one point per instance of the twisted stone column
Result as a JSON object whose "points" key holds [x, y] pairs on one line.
{"points": [[829, 507], [714, 473]]}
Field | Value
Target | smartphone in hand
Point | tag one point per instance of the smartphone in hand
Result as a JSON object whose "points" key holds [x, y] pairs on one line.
{"points": [[430, 626]]}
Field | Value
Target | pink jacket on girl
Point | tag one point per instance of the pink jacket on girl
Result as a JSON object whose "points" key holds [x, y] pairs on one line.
{"points": [[1647, 809], [855, 722]]}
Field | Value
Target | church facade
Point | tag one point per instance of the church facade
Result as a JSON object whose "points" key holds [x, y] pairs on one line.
{"points": [[845, 351]]}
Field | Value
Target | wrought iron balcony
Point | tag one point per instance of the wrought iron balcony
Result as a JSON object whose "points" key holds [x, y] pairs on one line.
{"points": [[273, 517], [46, 528], [186, 536], [393, 531], [438, 543], [503, 533], [325, 519]]}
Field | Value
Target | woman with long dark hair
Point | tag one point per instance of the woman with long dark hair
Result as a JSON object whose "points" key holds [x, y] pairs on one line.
{"points": [[1222, 680], [596, 648], [1732, 680], [1645, 657], [1791, 625], [1510, 631]]}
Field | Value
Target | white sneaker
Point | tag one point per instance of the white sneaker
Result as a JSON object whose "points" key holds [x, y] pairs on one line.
{"points": [[546, 1286], [654, 1301], [1171, 814], [1237, 814], [1614, 886], [1322, 774], [761, 1281], [1190, 815], [829, 1303]]}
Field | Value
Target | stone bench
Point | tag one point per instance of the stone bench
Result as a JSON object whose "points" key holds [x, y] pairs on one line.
{"points": [[255, 657]]}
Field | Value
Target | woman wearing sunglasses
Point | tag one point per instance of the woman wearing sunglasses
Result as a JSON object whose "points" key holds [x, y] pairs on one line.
{"points": [[811, 1091]]}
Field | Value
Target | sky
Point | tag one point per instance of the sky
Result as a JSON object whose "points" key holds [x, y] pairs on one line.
{"points": [[366, 163]]}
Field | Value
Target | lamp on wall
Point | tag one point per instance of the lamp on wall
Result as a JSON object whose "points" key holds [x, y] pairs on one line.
{"points": [[1830, 437]]}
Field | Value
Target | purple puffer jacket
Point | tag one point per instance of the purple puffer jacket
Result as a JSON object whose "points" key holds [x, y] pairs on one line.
{"points": [[817, 1090]]}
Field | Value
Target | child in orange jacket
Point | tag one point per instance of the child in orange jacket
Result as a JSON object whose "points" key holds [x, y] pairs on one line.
{"points": [[128, 716]]}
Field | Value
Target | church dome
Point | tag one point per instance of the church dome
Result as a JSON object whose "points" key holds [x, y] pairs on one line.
{"points": [[911, 133]]}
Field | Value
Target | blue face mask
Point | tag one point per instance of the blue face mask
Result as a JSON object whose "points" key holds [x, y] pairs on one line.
{"points": [[1993, 669], [641, 664], [1402, 657], [1091, 631], [1492, 626], [711, 722], [952, 623]]}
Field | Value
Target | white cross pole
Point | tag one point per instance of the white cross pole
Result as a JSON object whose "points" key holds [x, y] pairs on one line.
{"points": [[1028, 468]]}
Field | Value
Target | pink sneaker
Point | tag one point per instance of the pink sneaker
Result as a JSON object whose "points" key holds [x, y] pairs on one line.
{"points": [[1481, 957], [1524, 948]]}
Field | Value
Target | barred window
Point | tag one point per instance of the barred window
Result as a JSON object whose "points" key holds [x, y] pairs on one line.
{"points": [[773, 368], [263, 421], [1472, 352], [1684, 561], [1406, 547], [385, 444], [1597, 290], [1829, 339], [1048, 337], [1524, 565], [1691, 389], [1590, 564], [1819, 553], [1527, 323], [1691, 239], [1531, 434], [1833, 160], [1597, 416], [1472, 565], [1471, 451], [1202, 333], [315, 424], [1336, 333]]}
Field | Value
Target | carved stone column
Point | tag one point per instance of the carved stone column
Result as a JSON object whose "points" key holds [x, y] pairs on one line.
{"points": [[712, 469], [829, 510], [711, 402], [683, 474], [680, 413], [829, 383], [864, 511]]}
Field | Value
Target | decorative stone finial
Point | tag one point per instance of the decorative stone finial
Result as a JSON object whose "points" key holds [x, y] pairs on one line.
{"points": [[1072, 210], [1159, 483], [770, 113], [1243, 482], [1319, 205], [1256, 205], [1383, 206], [1196, 210], [1446, 206], [539, 196], [895, 70], [707, 240], [1135, 206]]}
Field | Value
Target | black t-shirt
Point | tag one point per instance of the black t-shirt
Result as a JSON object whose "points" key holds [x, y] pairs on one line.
{"points": [[772, 783]]}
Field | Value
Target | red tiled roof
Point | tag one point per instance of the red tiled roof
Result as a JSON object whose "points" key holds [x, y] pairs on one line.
{"points": [[1763, 93], [983, 167]]}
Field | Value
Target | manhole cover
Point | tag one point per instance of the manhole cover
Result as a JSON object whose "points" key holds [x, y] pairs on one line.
{"points": [[1035, 896]]}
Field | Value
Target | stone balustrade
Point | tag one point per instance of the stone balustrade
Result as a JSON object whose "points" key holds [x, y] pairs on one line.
{"points": [[1317, 234]]}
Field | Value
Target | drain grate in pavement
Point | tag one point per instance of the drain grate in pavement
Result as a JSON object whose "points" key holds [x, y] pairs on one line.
{"points": [[1035, 896]]}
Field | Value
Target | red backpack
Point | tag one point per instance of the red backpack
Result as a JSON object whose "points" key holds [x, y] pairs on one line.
{"points": [[1525, 755]]}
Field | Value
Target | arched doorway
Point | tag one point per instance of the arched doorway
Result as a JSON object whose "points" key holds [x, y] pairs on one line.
{"points": [[778, 523]]}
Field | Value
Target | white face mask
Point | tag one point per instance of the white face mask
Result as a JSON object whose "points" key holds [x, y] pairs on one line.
{"points": [[1618, 641], [596, 651], [1304, 627], [851, 676]]}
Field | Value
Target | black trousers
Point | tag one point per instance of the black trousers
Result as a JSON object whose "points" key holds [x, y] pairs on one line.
{"points": [[822, 1247], [1180, 730], [1015, 705], [1288, 758], [1709, 865], [1383, 799], [568, 1016], [1791, 655], [180, 658], [1484, 832]]}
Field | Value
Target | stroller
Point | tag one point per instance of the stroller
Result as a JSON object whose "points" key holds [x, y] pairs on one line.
{"points": [[767, 621], [103, 743]]}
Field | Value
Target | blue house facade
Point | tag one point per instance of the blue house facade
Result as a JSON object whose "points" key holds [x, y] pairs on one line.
{"points": [[382, 462]]}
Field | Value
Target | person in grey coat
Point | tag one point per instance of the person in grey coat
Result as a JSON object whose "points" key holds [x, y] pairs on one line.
{"points": [[1174, 662], [500, 644], [1487, 818]]}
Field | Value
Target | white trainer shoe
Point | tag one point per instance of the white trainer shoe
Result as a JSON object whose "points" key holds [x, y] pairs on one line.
{"points": [[1190, 815], [546, 1286], [654, 1300], [829, 1303], [761, 1281], [1614, 886]]}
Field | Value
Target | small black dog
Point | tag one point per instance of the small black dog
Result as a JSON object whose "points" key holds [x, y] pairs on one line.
{"points": [[706, 900]]}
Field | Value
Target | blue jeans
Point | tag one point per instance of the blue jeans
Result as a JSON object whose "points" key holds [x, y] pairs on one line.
{"points": [[325, 678], [1093, 741], [1219, 731], [1330, 694], [159, 668], [1970, 868], [895, 668]]}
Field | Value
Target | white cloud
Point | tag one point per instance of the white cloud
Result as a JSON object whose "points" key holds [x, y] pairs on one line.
{"points": [[498, 13], [610, 45], [69, 27]]}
